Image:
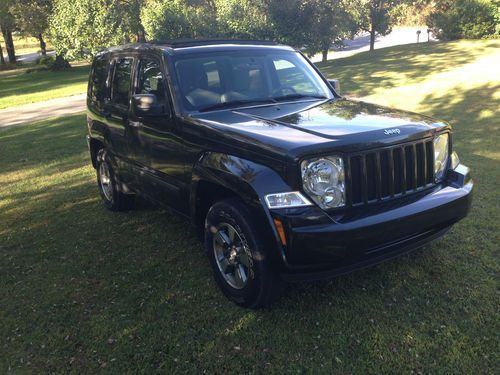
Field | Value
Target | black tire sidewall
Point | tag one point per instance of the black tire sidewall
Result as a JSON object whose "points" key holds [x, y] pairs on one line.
{"points": [[234, 213]]}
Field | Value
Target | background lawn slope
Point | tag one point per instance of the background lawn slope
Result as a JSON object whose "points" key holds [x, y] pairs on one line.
{"points": [[19, 87], [85, 290]]}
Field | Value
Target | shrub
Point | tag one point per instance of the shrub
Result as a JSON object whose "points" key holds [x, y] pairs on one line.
{"points": [[48, 61], [414, 14], [470, 19]]}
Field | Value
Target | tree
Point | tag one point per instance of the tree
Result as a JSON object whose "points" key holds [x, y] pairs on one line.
{"points": [[6, 26], [130, 13], [373, 17], [331, 25], [177, 19], [243, 19], [81, 28], [2, 60], [32, 16], [165, 20], [473, 19], [311, 24]]}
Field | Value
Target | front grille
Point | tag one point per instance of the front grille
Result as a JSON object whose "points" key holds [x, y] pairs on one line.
{"points": [[389, 172]]}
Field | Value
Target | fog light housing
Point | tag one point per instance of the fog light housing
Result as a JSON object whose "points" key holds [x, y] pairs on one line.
{"points": [[286, 200], [455, 160]]}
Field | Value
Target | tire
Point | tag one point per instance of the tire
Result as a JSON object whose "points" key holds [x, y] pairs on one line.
{"points": [[241, 267], [112, 197]]}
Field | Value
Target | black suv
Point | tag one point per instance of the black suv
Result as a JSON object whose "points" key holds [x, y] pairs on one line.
{"points": [[284, 179]]}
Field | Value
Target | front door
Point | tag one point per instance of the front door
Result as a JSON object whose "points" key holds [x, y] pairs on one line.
{"points": [[154, 139]]}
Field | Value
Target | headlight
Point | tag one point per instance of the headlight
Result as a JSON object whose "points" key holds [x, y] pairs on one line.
{"points": [[440, 155], [323, 181]]}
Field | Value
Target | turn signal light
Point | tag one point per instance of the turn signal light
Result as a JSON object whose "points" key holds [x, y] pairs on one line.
{"points": [[281, 231]]}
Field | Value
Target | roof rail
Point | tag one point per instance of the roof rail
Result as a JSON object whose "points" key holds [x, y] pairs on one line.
{"points": [[178, 43]]}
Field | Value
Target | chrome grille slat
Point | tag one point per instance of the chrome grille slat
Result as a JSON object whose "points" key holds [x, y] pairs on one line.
{"points": [[389, 172]]}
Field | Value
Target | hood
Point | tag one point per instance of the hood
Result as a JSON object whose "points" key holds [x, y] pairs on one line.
{"points": [[316, 126]]}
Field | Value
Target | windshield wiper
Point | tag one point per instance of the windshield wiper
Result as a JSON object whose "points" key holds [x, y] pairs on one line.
{"points": [[298, 96], [236, 103]]}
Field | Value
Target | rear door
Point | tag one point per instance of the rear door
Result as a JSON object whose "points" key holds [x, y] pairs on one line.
{"points": [[118, 105]]}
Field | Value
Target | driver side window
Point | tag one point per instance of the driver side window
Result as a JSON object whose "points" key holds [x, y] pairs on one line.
{"points": [[150, 80]]}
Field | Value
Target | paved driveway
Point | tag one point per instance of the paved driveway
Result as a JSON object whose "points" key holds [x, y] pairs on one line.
{"points": [[29, 113], [28, 57], [398, 36]]}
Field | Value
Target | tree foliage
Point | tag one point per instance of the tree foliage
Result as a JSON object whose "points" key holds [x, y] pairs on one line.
{"points": [[243, 19], [472, 19], [80, 28], [174, 19]]}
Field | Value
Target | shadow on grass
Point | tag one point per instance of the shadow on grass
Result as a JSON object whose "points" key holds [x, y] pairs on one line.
{"points": [[87, 290]]}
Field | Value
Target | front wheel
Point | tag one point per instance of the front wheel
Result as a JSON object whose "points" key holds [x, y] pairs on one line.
{"points": [[111, 195], [241, 267]]}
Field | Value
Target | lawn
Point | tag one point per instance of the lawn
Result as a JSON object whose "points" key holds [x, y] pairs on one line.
{"points": [[21, 87], [85, 290]]}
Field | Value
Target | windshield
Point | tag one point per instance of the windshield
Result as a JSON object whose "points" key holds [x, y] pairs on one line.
{"points": [[215, 80]]}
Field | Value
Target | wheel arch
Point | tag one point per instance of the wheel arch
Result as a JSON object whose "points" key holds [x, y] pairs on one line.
{"points": [[94, 146], [219, 176]]}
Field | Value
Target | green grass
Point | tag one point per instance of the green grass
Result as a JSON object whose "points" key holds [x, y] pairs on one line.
{"points": [[19, 87], [84, 290]]}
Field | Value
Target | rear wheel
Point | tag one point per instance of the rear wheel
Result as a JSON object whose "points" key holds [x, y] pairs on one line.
{"points": [[241, 267], [111, 195]]}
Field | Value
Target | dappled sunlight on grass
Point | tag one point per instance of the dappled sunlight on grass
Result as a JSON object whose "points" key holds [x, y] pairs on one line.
{"points": [[84, 289], [370, 73]]}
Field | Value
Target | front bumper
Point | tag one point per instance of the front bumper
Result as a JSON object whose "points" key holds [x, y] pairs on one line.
{"points": [[319, 248]]}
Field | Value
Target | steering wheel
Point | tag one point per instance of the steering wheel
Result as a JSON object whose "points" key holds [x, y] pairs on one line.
{"points": [[284, 91]]}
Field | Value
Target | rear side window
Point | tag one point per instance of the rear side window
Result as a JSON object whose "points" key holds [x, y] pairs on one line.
{"points": [[121, 82], [98, 88]]}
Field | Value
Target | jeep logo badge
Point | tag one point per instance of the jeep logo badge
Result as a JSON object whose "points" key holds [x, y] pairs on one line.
{"points": [[392, 131]]}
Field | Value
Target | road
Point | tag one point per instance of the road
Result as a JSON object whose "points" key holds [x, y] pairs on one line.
{"points": [[29, 57], [29, 113], [361, 43]]}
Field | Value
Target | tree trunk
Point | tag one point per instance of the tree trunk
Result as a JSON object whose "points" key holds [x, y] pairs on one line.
{"points": [[2, 60], [141, 34], [372, 38], [43, 46], [9, 44], [61, 63], [325, 55]]}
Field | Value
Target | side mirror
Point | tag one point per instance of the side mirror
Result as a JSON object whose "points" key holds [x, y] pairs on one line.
{"points": [[147, 105], [335, 84]]}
